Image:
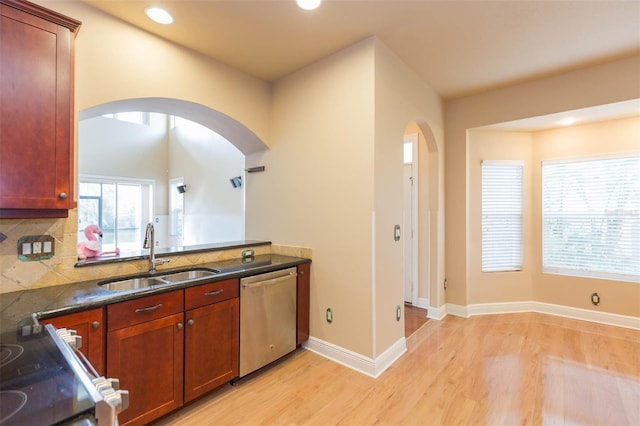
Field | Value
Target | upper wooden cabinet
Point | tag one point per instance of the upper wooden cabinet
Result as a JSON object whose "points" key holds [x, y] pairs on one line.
{"points": [[36, 111]]}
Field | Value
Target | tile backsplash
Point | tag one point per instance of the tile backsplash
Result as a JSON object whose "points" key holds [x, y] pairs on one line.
{"points": [[16, 275]]}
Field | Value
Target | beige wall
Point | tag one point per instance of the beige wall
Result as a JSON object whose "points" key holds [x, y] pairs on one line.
{"points": [[115, 61], [490, 287], [587, 140], [317, 190], [333, 182], [401, 97], [603, 84]]}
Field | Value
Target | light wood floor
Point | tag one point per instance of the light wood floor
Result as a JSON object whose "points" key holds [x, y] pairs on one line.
{"points": [[516, 369], [414, 318]]}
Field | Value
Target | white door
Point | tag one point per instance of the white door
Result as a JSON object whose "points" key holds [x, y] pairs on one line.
{"points": [[408, 233]]}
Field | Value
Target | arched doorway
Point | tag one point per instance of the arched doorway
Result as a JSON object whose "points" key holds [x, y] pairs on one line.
{"points": [[421, 204]]}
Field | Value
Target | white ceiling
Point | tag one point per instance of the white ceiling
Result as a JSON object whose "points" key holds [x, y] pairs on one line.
{"points": [[457, 47]]}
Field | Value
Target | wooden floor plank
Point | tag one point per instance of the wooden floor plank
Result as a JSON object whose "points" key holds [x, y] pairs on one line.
{"points": [[527, 369]]}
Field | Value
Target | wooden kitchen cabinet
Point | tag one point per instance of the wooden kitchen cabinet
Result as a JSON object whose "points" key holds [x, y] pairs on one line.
{"points": [[90, 325], [212, 337], [36, 111], [147, 354], [303, 303]]}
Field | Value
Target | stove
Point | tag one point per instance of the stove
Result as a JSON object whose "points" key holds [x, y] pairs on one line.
{"points": [[45, 380]]}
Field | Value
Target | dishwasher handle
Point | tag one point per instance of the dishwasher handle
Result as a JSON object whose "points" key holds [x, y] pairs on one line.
{"points": [[269, 281]]}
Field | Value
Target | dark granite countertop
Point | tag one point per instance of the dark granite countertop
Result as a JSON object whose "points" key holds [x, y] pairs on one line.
{"points": [[168, 251], [17, 308]]}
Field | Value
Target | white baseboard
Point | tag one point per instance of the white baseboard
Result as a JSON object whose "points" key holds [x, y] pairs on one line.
{"points": [[355, 361], [437, 313], [543, 308]]}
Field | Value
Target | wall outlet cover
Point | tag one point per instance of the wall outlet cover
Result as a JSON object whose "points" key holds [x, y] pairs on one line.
{"points": [[35, 247]]}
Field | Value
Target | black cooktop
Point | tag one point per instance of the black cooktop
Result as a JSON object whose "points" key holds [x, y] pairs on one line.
{"points": [[37, 384]]}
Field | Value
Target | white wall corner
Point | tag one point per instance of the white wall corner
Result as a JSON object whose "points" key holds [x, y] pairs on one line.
{"points": [[457, 310], [437, 313], [355, 361], [544, 308]]}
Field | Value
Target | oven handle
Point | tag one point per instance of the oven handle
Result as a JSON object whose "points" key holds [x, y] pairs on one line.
{"points": [[87, 365]]}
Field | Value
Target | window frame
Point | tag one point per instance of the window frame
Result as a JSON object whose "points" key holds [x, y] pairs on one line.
{"points": [[592, 217], [147, 191]]}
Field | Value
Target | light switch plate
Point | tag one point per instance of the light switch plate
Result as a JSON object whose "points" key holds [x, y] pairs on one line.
{"points": [[35, 247]]}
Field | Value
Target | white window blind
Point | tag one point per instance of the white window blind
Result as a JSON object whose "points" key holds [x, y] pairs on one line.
{"points": [[501, 216], [591, 217]]}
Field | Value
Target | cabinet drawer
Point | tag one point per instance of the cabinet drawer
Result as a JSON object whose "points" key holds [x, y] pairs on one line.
{"points": [[210, 293], [131, 312]]}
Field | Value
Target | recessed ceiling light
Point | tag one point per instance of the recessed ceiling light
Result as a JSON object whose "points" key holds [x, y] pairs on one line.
{"points": [[308, 4], [568, 121], [159, 15]]}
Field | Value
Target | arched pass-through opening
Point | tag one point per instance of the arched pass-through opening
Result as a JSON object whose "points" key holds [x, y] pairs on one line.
{"points": [[227, 127]]}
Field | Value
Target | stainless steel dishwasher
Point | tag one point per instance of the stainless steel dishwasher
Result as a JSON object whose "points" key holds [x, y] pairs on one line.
{"points": [[267, 318]]}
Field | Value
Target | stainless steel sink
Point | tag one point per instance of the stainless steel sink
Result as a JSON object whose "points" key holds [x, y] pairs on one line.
{"points": [[131, 283], [193, 274], [150, 281]]}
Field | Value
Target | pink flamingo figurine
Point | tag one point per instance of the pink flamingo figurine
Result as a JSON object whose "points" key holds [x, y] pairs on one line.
{"points": [[93, 246]]}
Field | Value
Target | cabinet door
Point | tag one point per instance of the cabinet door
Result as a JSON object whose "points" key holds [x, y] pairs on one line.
{"points": [[89, 325], [36, 146], [211, 347], [304, 290], [148, 360]]}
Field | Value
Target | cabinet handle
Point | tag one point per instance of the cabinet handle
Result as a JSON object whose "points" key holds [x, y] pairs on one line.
{"points": [[190, 322], [179, 325], [62, 195], [95, 324], [301, 272], [214, 293], [149, 309]]}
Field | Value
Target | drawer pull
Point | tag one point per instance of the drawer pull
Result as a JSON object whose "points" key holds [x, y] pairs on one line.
{"points": [[95, 324], [149, 309], [214, 293]]}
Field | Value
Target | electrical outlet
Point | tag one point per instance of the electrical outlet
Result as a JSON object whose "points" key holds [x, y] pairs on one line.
{"points": [[595, 299], [329, 315], [35, 247]]}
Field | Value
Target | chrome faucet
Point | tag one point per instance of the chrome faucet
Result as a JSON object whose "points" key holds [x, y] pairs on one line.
{"points": [[150, 243]]}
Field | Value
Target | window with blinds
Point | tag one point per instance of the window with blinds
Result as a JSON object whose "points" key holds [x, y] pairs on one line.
{"points": [[591, 217], [501, 216]]}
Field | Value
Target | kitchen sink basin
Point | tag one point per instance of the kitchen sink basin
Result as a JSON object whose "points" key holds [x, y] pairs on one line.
{"points": [[193, 274], [151, 281]]}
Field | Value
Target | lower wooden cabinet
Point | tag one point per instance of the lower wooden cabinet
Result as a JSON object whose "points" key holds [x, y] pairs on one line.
{"points": [[147, 354], [90, 325], [170, 348], [211, 346]]}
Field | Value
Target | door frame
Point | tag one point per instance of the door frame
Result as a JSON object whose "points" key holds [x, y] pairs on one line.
{"points": [[414, 233]]}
